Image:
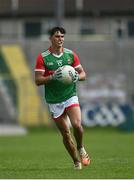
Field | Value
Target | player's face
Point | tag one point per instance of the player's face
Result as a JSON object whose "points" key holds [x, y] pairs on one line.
{"points": [[57, 39]]}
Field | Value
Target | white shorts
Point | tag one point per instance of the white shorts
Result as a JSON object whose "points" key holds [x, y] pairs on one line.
{"points": [[58, 109]]}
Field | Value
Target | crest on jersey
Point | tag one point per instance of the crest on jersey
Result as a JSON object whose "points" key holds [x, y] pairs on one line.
{"points": [[69, 61], [59, 62]]}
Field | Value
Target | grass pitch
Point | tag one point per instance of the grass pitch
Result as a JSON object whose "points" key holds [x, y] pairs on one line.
{"points": [[41, 154]]}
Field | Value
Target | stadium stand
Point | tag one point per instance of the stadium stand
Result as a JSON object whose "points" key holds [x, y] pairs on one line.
{"points": [[8, 91], [29, 104], [48, 8], [5, 8], [101, 33]]}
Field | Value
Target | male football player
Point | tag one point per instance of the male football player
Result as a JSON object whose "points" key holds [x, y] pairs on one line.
{"points": [[61, 98]]}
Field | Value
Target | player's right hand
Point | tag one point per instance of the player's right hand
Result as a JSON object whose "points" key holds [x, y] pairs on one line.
{"points": [[57, 74]]}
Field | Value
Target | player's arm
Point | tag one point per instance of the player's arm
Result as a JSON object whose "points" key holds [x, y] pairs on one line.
{"points": [[78, 67], [40, 79], [40, 69], [81, 72]]}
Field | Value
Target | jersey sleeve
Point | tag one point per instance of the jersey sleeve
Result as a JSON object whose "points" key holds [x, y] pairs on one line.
{"points": [[39, 64], [76, 62]]}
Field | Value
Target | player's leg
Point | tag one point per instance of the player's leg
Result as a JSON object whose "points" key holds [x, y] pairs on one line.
{"points": [[62, 125], [74, 114]]}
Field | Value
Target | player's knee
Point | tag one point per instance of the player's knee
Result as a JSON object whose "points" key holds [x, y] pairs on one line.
{"points": [[77, 124]]}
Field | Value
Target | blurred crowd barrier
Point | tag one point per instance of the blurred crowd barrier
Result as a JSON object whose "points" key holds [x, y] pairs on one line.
{"points": [[104, 101], [108, 114]]}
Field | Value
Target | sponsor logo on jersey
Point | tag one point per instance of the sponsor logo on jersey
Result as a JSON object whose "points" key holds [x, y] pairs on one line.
{"points": [[50, 63]]}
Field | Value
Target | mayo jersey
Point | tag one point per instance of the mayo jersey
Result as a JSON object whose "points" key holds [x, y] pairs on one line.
{"points": [[48, 62]]}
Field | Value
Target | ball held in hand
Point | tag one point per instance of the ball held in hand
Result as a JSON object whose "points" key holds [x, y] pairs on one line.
{"points": [[68, 74]]}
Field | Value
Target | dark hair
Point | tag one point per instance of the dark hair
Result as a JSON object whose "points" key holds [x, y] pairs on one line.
{"points": [[52, 31]]}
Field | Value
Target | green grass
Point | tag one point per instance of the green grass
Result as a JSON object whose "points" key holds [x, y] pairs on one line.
{"points": [[42, 155]]}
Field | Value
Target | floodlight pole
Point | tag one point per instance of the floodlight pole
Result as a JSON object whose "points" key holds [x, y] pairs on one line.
{"points": [[14, 6], [60, 12]]}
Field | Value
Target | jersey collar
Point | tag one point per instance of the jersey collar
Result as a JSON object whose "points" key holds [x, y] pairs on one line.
{"points": [[51, 51]]}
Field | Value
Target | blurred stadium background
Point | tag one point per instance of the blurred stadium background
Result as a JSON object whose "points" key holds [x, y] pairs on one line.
{"points": [[100, 31]]}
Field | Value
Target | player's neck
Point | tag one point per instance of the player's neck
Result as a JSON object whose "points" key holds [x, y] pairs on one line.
{"points": [[56, 50]]}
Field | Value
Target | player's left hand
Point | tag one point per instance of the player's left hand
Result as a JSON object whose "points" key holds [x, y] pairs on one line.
{"points": [[76, 77], [57, 74]]}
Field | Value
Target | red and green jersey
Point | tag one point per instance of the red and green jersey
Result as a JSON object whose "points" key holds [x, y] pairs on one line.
{"points": [[47, 62]]}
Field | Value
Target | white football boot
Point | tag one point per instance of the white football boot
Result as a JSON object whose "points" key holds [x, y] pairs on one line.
{"points": [[77, 165], [85, 159]]}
